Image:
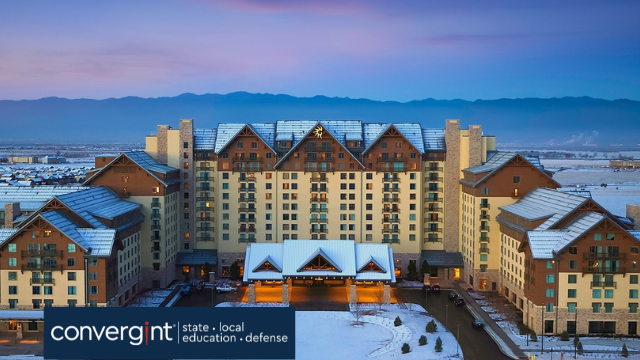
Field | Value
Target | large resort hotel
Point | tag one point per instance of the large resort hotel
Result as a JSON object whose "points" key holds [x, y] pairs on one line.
{"points": [[324, 203]]}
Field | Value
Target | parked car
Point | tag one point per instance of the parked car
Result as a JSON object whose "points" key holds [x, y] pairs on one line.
{"points": [[436, 288], [426, 287], [459, 301], [226, 288], [452, 295], [476, 323], [185, 290]]}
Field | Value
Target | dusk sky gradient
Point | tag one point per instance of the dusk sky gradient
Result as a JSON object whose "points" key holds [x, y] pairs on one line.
{"points": [[382, 50]]}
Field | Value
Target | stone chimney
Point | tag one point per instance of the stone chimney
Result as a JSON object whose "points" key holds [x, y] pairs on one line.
{"points": [[633, 212], [11, 212]]}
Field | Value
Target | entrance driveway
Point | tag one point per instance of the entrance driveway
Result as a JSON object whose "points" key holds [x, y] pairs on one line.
{"points": [[322, 298]]}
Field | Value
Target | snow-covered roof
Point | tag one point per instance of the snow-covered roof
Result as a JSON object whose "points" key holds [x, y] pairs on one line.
{"points": [[97, 201], [33, 198], [433, 139], [6, 233], [293, 255], [100, 240], [146, 162], [204, 139], [544, 203], [22, 314]]}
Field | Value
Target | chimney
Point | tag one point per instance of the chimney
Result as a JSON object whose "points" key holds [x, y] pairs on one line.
{"points": [[633, 213], [11, 212]]}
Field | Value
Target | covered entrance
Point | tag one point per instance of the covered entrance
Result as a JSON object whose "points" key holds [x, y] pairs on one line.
{"points": [[317, 271], [444, 266]]}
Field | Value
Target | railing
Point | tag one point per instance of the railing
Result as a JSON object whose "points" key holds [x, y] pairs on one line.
{"points": [[384, 160], [432, 230], [204, 209], [393, 199], [248, 179], [155, 238], [155, 216], [319, 231], [603, 269], [155, 204], [433, 199], [246, 209], [486, 227], [204, 198], [312, 190], [390, 179], [319, 149], [205, 168], [484, 217], [319, 221], [433, 239], [246, 159], [393, 190], [206, 218], [484, 239], [319, 210], [391, 210], [41, 266], [202, 188], [155, 227], [433, 178], [242, 199], [42, 281], [40, 253], [484, 250], [243, 230], [249, 240], [439, 168], [605, 255], [204, 178], [154, 249], [438, 190], [603, 284], [247, 220], [390, 241], [391, 220], [391, 230], [204, 238], [319, 179], [432, 220], [248, 189], [325, 200], [204, 228], [484, 206], [433, 210]]}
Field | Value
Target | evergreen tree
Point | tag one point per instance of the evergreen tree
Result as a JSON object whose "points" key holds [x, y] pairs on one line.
{"points": [[423, 341], [580, 350], [405, 348], [397, 321], [625, 351], [576, 340], [412, 271], [431, 327], [534, 337], [234, 271], [564, 336], [424, 267], [438, 347]]}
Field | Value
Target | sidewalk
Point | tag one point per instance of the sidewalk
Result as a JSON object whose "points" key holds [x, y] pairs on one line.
{"points": [[504, 342]]}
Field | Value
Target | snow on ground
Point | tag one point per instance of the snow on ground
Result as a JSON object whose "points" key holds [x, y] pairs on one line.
{"points": [[475, 295], [488, 309], [483, 302], [241, 304], [151, 298], [376, 338], [407, 284]]}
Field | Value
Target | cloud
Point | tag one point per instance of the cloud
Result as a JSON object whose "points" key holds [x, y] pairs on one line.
{"points": [[582, 139]]}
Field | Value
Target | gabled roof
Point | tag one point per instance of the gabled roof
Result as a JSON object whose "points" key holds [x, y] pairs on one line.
{"points": [[255, 255], [99, 201], [6, 233], [34, 197], [372, 260], [411, 132], [433, 140], [543, 203], [270, 261], [497, 161], [100, 240], [204, 139], [227, 132], [319, 254], [309, 131], [146, 162]]}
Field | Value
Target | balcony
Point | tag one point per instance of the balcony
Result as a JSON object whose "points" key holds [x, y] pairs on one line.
{"points": [[603, 284], [246, 230], [248, 189], [319, 179], [155, 204], [320, 200], [391, 179], [155, 216], [484, 228], [246, 159], [433, 200], [248, 179], [391, 210], [155, 238], [432, 230], [203, 228], [392, 199], [247, 220], [484, 217], [246, 209], [433, 210], [41, 253], [392, 190], [42, 281], [428, 220], [434, 168], [438, 190], [391, 230], [319, 210], [484, 250], [204, 178], [204, 238], [391, 241], [40, 267], [319, 221], [484, 206], [319, 231], [203, 209], [155, 249], [433, 239], [319, 149], [604, 270], [203, 188], [484, 239], [434, 178], [204, 198], [318, 190], [244, 199], [155, 227], [386, 160], [590, 255], [205, 168], [248, 240], [206, 218]]}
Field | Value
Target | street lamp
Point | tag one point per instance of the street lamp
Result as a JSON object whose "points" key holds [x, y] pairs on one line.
{"points": [[446, 317], [458, 342]]}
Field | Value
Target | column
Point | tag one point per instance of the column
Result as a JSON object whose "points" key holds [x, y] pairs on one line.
{"points": [[252, 294]]}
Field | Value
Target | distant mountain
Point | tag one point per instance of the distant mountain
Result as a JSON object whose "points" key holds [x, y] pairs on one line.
{"points": [[561, 121]]}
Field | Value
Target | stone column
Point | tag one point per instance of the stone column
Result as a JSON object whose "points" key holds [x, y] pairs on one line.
{"points": [[11, 212], [19, 332], [353, 295], [633, 212], [162, 143], [285, 294], [212, 276], [252, 294], [450, 239], [475, 145], [386, 297]]}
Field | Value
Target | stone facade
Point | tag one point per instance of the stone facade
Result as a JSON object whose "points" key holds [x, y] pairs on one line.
{"points": [[475, 145], [226, 259], [11, 211], [535, 319], [188, 185], [633, 212], [452, 187], [162, 144], [402, 260]]}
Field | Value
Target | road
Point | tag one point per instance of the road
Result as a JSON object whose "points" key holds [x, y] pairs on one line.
{"points": [[475, 343]]}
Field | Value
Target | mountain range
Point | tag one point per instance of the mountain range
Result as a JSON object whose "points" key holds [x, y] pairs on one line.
{"points": [[569, 122]]}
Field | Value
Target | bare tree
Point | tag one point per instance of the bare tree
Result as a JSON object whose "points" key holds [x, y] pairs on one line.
{"points": [[378, 296], [357, 311]]}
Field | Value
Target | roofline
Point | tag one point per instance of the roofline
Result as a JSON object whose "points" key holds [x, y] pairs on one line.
{"points": [[135, 162], [236, 135], [375, 141], [486, 177]]}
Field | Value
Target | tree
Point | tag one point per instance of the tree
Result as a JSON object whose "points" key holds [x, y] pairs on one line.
{"points": [[424, 268], [534, 337], [206, 269], [625, 351], [405, 348], [580, 350], [438, 347], [422, 341], [357, 311], [576, 340], [397, 321], [564, 336], [431, 327], [411, 275], [378, 297], [234, 271]]}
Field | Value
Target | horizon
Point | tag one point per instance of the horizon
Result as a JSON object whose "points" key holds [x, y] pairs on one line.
{"points": [[358, 49]]}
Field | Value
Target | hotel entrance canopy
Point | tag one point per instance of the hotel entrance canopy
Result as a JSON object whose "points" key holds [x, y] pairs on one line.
{"points": [[324, 259]]}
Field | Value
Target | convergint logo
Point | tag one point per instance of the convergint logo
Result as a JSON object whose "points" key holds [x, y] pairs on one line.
{"points": [[135, 335]]}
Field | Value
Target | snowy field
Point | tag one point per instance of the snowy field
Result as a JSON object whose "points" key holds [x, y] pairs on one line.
{"points": [[322, 335]]}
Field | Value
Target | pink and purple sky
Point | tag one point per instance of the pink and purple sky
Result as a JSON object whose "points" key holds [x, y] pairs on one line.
{"points": [[382, 50]]}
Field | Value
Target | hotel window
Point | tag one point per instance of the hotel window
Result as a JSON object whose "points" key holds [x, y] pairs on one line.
{"points": [[611, 236], [13, 261], [596, 293], [483, 268], [254, 144], [633, 279], [13, 303], [412, 186], [549, 293], [608, 307], [633, 308], [48, 302], [369, 197], [550, 278], [572, 279], [571, 307], [72, 303], [573, 264], [13, 276], [71, 276], [573, 250], [549, 307], [47, 233], [634, 250], [549, 264], [12, 248], [71, 290], [240, 145], [93, 290], [516, 179], [571, 293], [383, 144], [483, 257], [369, 176], [13, 290], [185, 145], [93, 262], [185, 155], [608, 293], [597, 237], [633, 294], [186, 165], [485, 191]]}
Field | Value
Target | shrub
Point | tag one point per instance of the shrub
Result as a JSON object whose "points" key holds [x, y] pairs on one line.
{"points": [[397, 321], [564, 336], [431, 327], [405, 348], [524, 329], [625, 351], [438, 347], [580, 350], [422, 341], [534, 337], [576, 340]]}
